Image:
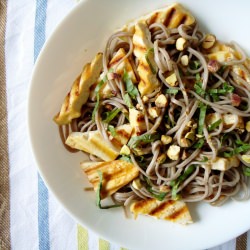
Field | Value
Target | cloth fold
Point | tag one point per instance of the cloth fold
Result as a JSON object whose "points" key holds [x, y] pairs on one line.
{"points": [[30, 217], [4, 156]]}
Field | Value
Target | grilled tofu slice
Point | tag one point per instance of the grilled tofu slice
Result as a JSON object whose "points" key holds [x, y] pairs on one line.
{"points": [[241, 71], [116, 174], [93, 143], [228, 120], [175, 211], [87, 164], [79, 93], [142, 44], [137, 121], [120, 66], [123, 134], [172, 16], [223, 164], [105, 91], [222, 53]]}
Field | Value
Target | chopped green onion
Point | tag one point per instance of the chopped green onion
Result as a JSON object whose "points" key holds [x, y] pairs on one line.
{"points": [[242, 147], [228, 154], [214, 125], [239, 142], [97, 89], [157, 195], [197, 77], [199, 143], [226, 88], [202, 116], [215, 97], [194, 64], [130, 87], [128, 101], [151, 50], [246, 171], [147, 138], [112, 130], [98, 194], [222, 69], [198, 89], [172, 91], [176, 183], [125, 158], [224, 137], [110, 115], [205, 159]]}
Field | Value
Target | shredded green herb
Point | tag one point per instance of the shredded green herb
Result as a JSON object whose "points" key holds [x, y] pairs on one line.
{"points": [[110, 115], [202, 116], [97, 89], [242, 147], [157, 195], [98, 193], [147, 138], [199, 143], [151, 50], [128, 101], [222, 69], [130, 87], [172, 91], [112, 130], [195, 64], [246, 171], [226, 88], [205, 159], [214, 125], [198, 89], [176, 183], [125, 158]]}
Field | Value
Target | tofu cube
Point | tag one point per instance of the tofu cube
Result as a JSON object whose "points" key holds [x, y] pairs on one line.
{"points": [[161, 101], [230, 119], [174, 152], [223, 164], [172, 80], [166, 139], [154, 112]]}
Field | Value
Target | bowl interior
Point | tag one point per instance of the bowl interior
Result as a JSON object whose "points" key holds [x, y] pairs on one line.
{"points": [[76, 40]]}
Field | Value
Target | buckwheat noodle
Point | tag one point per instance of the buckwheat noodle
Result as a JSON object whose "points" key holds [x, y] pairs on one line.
{"points": [[182, 113]]}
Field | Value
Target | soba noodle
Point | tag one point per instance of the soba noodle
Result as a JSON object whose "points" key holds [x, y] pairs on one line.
{"points": [[199, 94]]}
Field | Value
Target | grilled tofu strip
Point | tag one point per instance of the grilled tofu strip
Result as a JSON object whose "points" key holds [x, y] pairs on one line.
{"points": [[172, 16], [175, 211], [222, 53], [228, 120], [116, 174], [93, 143], [137, 121], [79, 93], [142, 44], [119, 64], [242, 72]]}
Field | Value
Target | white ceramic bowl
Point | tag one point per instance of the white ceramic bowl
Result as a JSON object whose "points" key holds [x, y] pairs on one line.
{"points": [[75, 42]]}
